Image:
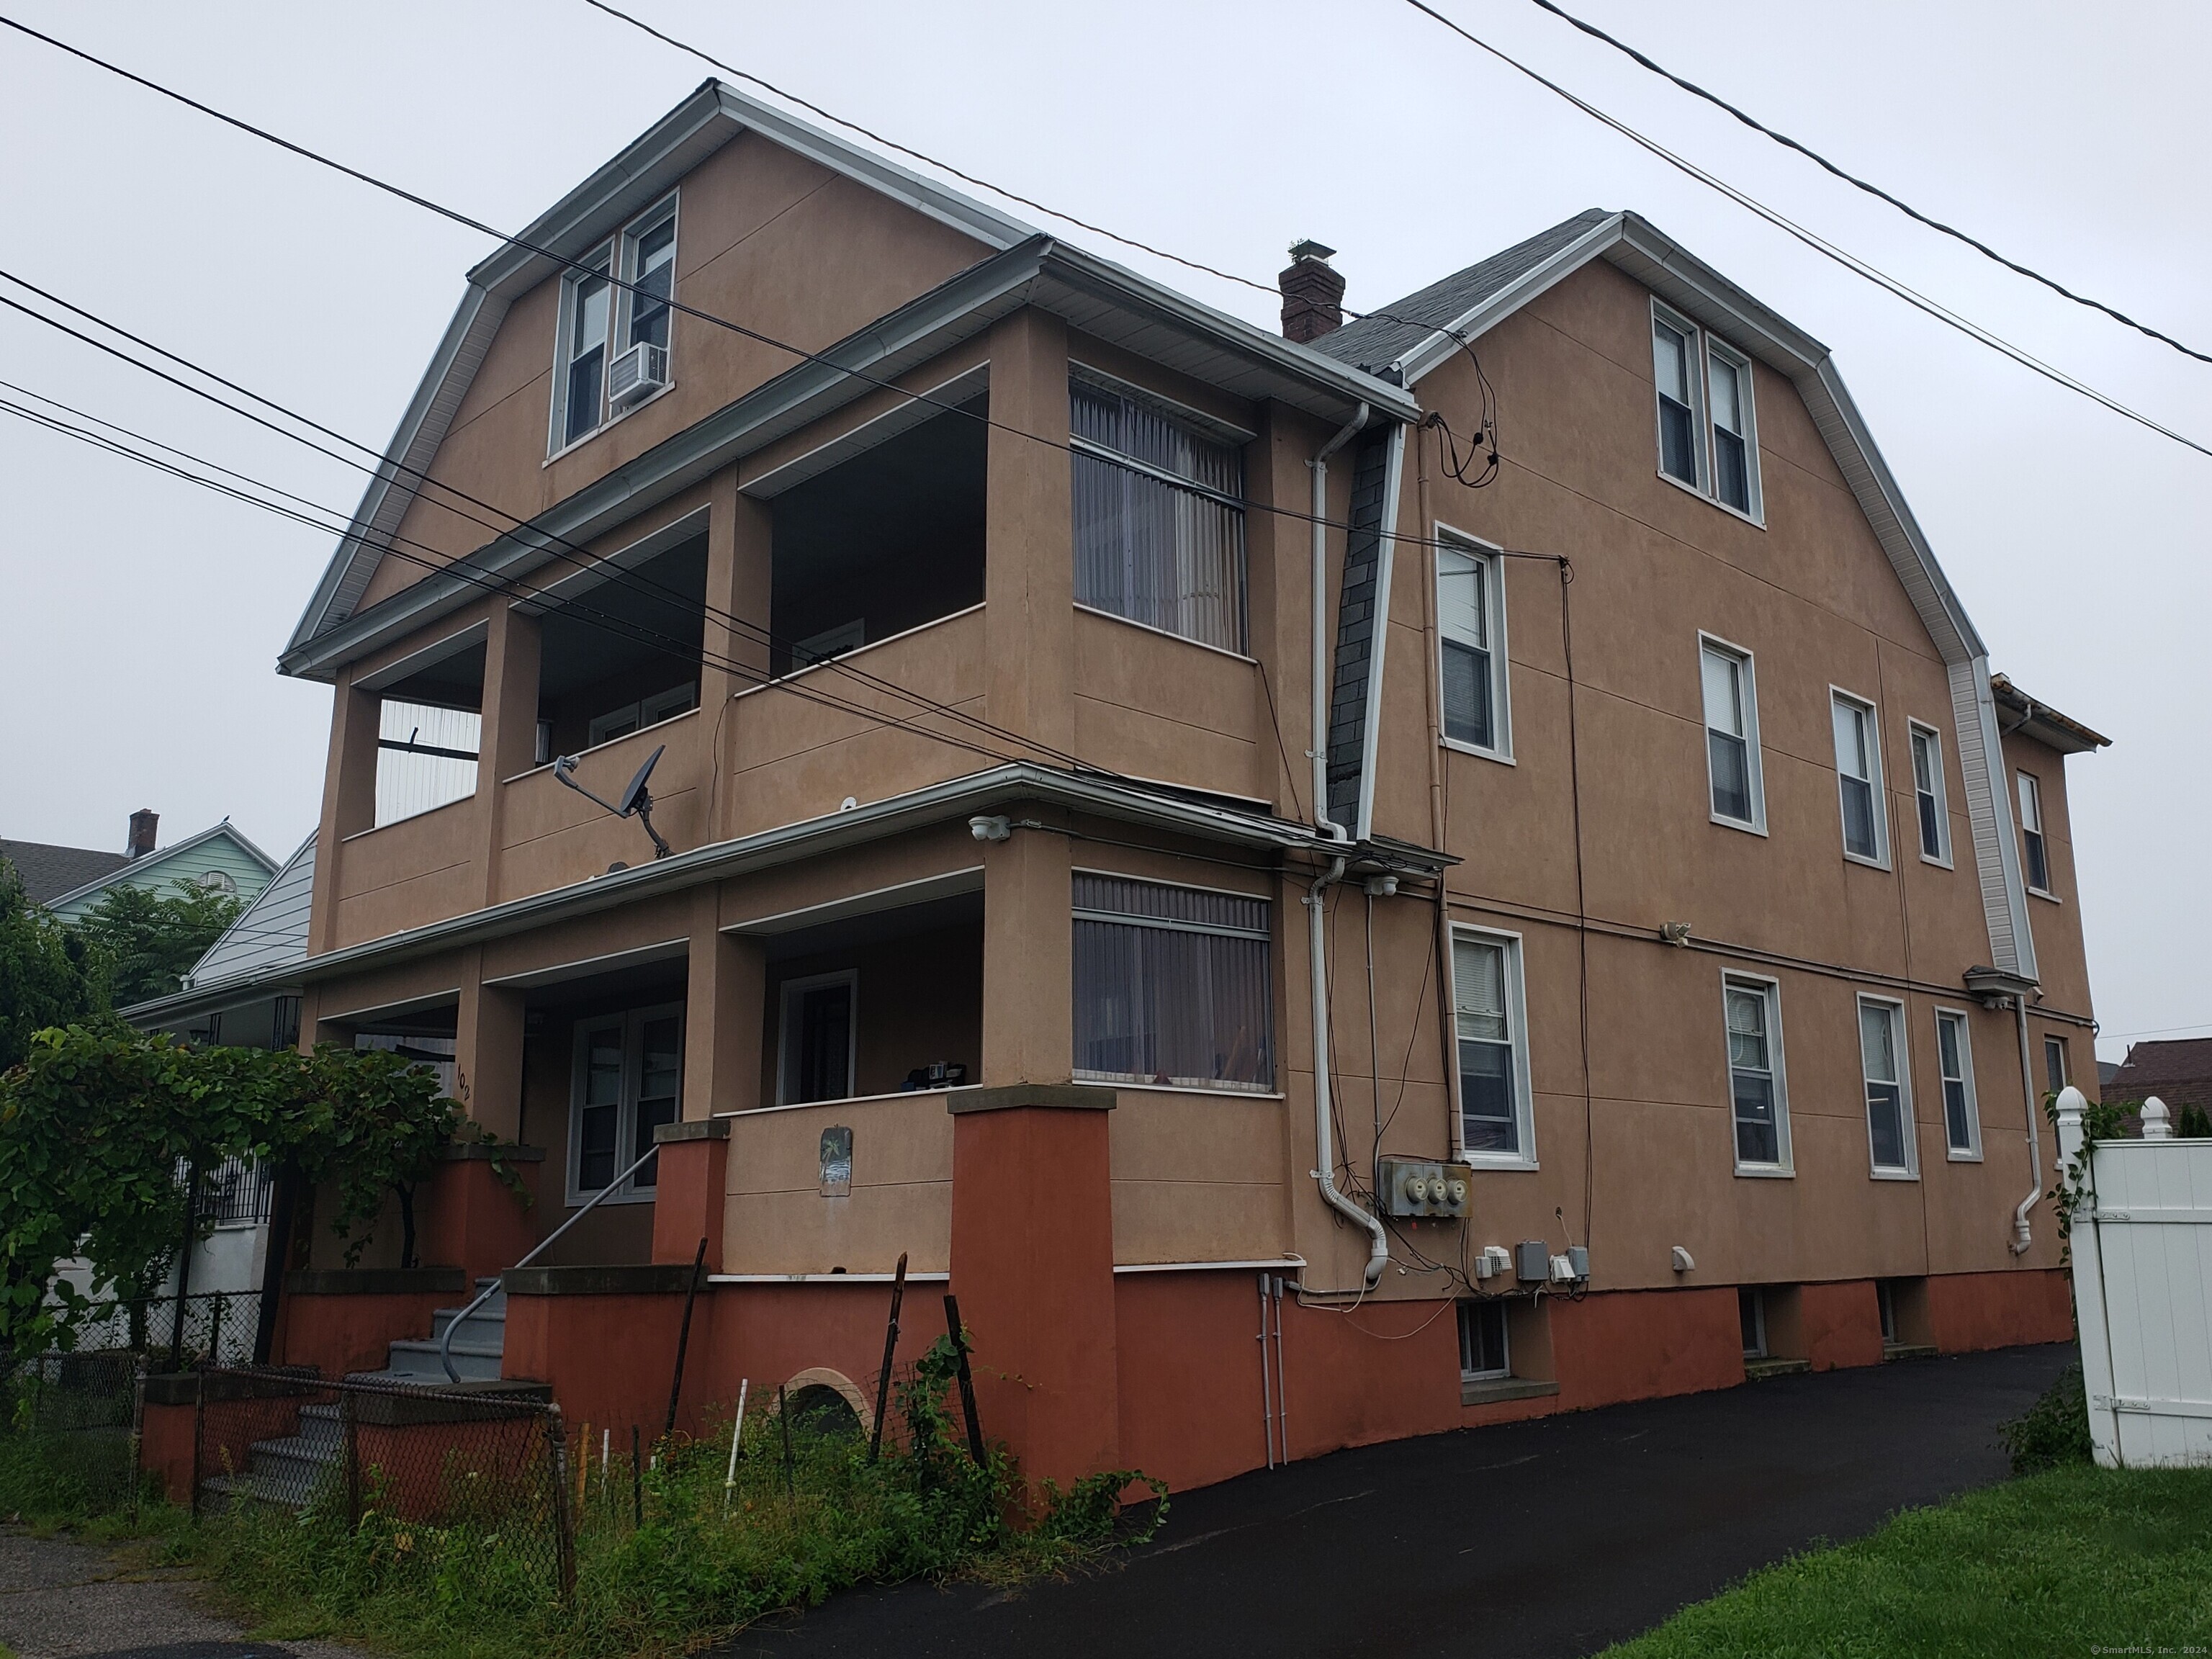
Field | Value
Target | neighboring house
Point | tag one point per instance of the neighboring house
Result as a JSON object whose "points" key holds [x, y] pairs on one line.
{"points": [[972, 628], [69, 880], [2179, 1072]]}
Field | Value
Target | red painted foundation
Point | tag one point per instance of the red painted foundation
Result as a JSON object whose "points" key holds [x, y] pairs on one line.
{"points": [[1640, 1345], [339, 1334], [164, 1448], [1842, 1324], [474, 1218], [610, 1359], [1971, 1311]]}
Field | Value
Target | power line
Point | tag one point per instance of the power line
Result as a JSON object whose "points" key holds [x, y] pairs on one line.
{"points": [[1857, 183], [1819, 245]]}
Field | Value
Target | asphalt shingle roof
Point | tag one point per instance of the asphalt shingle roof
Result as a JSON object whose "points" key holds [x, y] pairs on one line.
{"points": [[1371, 343], [2176, 1072], [50, 871]]}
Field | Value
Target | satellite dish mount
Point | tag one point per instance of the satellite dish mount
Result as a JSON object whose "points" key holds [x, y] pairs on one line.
{"points": [[637, 800]]}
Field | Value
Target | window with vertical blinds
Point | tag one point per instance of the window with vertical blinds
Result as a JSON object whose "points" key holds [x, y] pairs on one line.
{"points": [[1172, 986], [1159, 519]]}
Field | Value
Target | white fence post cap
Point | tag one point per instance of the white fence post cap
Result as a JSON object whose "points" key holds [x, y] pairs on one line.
{"points": [[2072, 1103], [2156, 1120]]}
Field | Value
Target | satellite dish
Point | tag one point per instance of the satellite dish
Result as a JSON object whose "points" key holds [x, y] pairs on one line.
{"points": [[635, 797], [636, 800]]}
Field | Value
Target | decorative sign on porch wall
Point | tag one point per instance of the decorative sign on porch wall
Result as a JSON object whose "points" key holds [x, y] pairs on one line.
{"points": [[838, 1162]]}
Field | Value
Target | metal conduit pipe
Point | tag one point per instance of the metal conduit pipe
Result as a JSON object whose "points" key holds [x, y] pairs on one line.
{"points": [[1324, 1175], [1317, 731], [2021, 1238]]}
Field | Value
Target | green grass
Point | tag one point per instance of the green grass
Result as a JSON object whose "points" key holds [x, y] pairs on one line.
{"points": [[2066, 1562]]}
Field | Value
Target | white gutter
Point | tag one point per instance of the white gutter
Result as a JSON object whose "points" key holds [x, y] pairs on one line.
{"points": [[1317, 749], [2021, 1236], [1324, 1173]]}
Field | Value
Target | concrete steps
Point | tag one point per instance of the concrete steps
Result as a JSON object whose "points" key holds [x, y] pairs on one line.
{"points": [[291, 1469]]}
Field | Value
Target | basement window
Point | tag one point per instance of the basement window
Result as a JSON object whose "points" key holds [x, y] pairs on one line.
{"points": [[1484, 1352], [1159, 516], [1172, 986], [1751, 1315]]}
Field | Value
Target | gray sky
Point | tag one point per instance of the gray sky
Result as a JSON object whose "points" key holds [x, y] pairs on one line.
{"points": [[141, 617]]}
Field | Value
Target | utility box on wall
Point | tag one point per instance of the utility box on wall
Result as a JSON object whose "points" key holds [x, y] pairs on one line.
{"points": [[1433, 1190]]}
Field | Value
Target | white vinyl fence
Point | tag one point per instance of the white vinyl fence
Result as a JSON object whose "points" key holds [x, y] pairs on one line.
{"points": [[2142, 1289]]}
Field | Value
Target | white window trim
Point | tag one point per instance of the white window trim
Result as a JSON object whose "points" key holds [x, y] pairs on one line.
{"points": [[1516, 1014], [2042, 833], [1702, 344], [633, 233], [1757, 826], [1785, 1167], [850, 976], [1878, 782], [1911, 1171], [1755, 513], [620, 250], [1943, 857], [1501, 673], [1971, 1152], [1505, 1334], [632, 1021]]}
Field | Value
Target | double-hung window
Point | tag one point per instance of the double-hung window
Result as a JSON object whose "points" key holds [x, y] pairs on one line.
{"points": [[1491, 1012], [1934, 822], [1732, 762], [1172, 986], [2032, 851], [1954, 1059], [2055, 1069], [1757, 1090], [1708, 436], [1858, 779], [617, 297], [628, 1078], [1471, 647], [1889, 1090], [1159, 516]]}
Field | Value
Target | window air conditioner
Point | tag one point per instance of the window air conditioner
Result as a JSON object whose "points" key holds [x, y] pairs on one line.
{"points": [[637, 374]]}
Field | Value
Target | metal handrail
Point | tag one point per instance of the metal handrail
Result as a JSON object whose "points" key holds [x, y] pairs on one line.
{"points": [[446, 1342]]}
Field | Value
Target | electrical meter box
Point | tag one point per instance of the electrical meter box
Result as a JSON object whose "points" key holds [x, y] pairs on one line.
{"points": [[1436, 1191]]}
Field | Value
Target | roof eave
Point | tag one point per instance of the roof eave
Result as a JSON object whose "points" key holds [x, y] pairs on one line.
{"points": [[163, 855]]}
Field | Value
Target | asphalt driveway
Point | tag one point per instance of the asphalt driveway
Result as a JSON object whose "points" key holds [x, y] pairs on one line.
{"points": [[1544, 1540]]}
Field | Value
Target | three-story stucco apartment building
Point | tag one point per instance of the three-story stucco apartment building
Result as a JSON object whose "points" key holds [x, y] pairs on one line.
{"points": [[1457, 866]]}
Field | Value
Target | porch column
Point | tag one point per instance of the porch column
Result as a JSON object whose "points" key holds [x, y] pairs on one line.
{"points": [[348, 799], [476, 1222], [1028, 556], [508, 740], [740, 548], [1032, 1187], [727, 990]]}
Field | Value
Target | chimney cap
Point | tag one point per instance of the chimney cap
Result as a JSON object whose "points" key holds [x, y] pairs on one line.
{"points": [[1307, 248]]}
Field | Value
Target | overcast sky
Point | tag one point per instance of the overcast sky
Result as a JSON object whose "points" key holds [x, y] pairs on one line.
{"points": [[140, 617]]}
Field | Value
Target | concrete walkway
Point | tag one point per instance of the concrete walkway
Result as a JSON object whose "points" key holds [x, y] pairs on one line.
{"points": [[1548, 1539], [60, 1600]]}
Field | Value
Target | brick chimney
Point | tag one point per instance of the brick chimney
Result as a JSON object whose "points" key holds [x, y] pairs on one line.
{"points": [[143, 824], [1313, 293]]}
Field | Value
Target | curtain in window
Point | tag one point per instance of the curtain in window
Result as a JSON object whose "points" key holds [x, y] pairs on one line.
{"points": [[1486, 1080], [1750, 1075], [1163, 994], [1885, 1093], [1170, 557]]}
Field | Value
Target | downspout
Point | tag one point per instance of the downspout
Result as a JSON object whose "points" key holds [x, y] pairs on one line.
{"points": [[1324, 1174], [1317, 731], [2021, 1238]]}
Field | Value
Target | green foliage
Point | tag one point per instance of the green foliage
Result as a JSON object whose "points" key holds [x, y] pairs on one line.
{"points": [[2100, 1121], [2075, 1560], [144, 941], [47, 975], [2054, 1430], [96, 1122]]}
